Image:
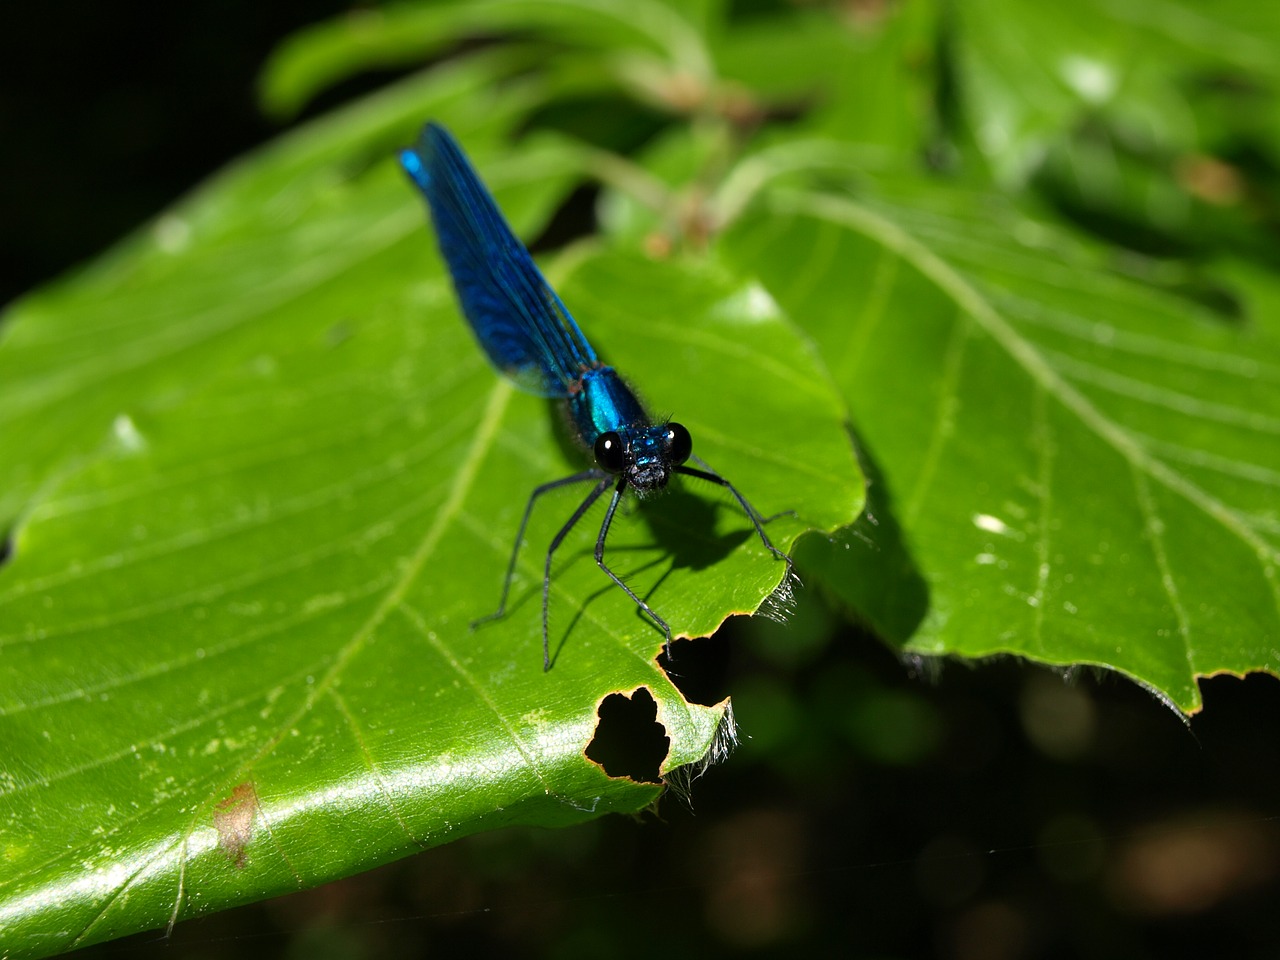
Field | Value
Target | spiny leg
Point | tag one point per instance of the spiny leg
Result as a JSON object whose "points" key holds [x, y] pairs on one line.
{"points": [[583, 507], [515, 548], [604, 532]]}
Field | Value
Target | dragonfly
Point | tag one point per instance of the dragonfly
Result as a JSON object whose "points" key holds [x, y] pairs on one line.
{"points": [[530, 337]]}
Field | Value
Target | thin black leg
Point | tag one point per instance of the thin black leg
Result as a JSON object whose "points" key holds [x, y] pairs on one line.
{"points": [[603, 481], [524, 522], [604, 532], [756, 520], [583, 507]]}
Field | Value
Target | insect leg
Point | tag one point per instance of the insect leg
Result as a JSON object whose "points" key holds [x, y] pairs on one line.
{"points": [[583, 507], [524, 522], [604, 532], [756, 520]]}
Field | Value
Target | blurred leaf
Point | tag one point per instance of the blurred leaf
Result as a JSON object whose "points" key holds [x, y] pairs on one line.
{"points": [[866, 77], [863, 76], [261, 480], [1030, 73], [315, 58], [1081, 468], [1132, 197], [636, 38], [1258, 294]]}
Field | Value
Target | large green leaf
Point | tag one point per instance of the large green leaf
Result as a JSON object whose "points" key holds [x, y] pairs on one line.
{"points": [[1066, 464], [261, 480]]}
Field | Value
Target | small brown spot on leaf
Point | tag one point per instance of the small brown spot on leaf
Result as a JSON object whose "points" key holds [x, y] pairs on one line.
{"points": [[233, 819]]}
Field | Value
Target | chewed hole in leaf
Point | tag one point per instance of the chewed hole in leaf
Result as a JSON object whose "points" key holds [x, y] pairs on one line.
{"points": [[699, 669], [6, 547], [629, 741]]}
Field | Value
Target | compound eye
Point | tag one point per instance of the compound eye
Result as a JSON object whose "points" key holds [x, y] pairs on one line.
{"points": [[679, 443], [609, 452]]}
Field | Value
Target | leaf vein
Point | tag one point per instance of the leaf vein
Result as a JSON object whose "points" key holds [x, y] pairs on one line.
{"points": [[343, 708], [969, 299], [1155, 534], [945, 421], [411, 614], [1043, 441], [464, 480]]}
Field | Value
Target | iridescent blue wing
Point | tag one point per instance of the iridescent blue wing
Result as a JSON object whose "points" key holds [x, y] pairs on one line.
{"points": [[517, 317]]}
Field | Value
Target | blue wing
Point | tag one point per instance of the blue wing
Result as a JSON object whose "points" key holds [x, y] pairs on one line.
{"points": [[517, 317]]}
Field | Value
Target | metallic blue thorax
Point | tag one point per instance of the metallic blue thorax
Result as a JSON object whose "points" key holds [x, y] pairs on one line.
{"points": [[600, 402], [530, 336]]}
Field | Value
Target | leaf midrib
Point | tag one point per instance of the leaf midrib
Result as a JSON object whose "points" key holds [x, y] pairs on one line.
{"points": [[855, 216]]}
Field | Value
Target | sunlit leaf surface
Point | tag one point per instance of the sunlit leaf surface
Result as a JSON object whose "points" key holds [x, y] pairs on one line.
{"points": [[1065, 464], [261, 480]]}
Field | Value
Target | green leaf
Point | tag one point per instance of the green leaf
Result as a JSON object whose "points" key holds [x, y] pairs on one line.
{"points": [[315, 203], [1031, 74], [1064, 464], [864, 77], [315, 58], [642, 39], [261, 480]]}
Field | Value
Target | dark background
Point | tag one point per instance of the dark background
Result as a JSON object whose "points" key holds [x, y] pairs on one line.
{"points": [[968, 811], [110, 111]]}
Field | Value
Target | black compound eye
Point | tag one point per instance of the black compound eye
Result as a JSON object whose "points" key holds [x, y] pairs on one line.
{"points": [[609, 453], [679, 443]]}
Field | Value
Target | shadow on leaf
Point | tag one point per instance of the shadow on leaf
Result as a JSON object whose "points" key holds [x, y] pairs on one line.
{"points": [[869, 565]]}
